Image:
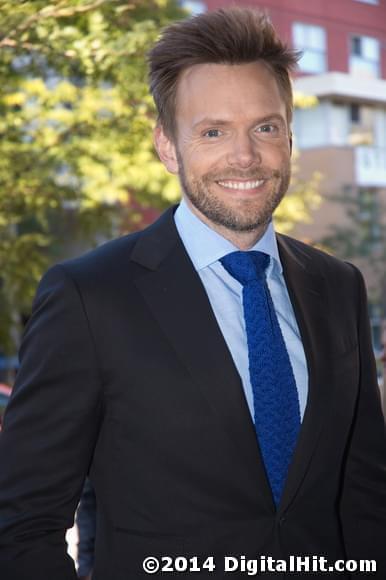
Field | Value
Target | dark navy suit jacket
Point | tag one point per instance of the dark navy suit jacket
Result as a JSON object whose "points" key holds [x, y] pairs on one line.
{"points": [[125, 375]]}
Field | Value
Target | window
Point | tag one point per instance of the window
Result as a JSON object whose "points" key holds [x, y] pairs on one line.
{"points": [[312, 41], [193, 6], [355, 113], [369, 1], [362, 124], [364, 56]]}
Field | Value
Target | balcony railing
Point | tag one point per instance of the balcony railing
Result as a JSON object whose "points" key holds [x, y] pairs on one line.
{"points": [[370, 166]]}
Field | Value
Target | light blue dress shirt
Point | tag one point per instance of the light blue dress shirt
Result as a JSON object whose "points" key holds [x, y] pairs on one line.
{"points": [[205, 247]]}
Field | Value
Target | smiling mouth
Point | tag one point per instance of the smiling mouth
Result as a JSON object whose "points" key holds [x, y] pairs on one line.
{"points": [[244, 185]]}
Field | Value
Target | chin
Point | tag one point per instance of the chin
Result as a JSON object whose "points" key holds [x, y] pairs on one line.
{"points": [[239, 222]]}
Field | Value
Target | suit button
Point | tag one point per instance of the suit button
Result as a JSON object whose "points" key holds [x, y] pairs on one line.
{"points": [[282, 520]]}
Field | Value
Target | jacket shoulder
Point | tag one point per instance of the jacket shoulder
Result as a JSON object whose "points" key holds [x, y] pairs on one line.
{"points": [[129, 253], [315, 258], [105, 257]]}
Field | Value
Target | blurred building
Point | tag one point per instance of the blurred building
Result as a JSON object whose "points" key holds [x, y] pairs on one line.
{"points": [[344, 136]]}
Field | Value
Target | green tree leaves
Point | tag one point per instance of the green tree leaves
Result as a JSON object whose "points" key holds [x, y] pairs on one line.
{"points": [[75, 127]]}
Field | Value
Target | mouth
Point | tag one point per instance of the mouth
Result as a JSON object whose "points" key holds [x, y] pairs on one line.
{"points": [[241, 184]]}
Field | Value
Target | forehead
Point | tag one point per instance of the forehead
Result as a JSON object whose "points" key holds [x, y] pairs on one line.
{"points": [[228, 91]]}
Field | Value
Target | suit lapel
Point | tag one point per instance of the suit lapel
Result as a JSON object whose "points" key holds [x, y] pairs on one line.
{"points": [[177, 299], [174, 293], [306, 287]]}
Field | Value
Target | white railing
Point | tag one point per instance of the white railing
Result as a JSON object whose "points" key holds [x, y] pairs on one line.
{"points": [[370, 166]]}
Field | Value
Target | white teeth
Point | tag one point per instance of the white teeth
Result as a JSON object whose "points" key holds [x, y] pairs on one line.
{"points": [[241, 184]]}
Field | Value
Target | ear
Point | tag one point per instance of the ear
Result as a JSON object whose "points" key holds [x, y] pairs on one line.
{"points": [[166, 150]]}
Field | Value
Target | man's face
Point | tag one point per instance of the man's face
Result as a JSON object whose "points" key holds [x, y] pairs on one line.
{"points": [[232, 144]]}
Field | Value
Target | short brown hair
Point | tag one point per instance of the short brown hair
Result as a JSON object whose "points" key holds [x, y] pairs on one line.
{"points": [[226, 36]]}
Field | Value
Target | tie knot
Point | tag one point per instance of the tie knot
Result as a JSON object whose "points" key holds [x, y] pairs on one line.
{"points": [[246, 266]]}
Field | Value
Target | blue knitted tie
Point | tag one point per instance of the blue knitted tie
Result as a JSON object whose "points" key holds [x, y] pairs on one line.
{"points": [[275, 396]]}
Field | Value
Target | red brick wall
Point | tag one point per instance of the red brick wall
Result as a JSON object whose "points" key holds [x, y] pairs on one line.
{"points": [[340, 18]]}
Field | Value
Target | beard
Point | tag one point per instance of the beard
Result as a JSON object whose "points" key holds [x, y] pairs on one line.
{"points": [[243, 215]]}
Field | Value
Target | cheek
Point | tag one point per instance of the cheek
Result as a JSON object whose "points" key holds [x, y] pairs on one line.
{"points": [[198, 162], [278, 155]]}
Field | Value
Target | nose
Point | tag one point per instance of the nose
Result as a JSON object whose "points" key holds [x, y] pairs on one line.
{"points": [[243, 152]]}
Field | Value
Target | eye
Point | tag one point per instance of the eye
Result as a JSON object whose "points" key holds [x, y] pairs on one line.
{"points": [[212, 133], [267, 128]]}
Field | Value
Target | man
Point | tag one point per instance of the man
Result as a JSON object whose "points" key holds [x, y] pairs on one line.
{"points": [[215, 380]]}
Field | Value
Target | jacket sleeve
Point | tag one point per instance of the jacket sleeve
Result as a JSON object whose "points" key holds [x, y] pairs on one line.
{"points": [[363, 510], [49, 434]]}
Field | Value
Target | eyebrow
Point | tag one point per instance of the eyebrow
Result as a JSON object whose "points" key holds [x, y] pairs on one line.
{"points": [[208, 121]]}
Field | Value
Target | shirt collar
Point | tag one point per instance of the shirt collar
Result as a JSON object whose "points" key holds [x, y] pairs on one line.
{"points": [[205, 246]]}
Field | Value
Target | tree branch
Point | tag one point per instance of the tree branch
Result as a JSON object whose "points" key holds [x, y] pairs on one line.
{"points": [[50, 12]]}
